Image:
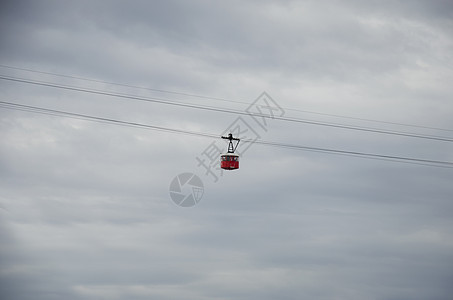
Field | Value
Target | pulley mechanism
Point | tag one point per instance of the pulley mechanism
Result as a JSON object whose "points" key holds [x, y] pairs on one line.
{"points": [[231, 147]]}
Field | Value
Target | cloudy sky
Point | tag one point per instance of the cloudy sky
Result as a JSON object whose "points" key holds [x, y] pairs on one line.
{"points": [[85, 208]]}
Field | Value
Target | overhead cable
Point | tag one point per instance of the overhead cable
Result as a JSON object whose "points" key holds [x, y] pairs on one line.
{"points": [[218, 98], [41, 110], [224, 110]]}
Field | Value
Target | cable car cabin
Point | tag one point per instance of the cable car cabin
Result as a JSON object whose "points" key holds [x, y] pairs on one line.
{"points": [[229, 161]]}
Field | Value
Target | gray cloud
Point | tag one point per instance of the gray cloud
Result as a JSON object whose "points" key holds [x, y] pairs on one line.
{"points": [[84, 206]]}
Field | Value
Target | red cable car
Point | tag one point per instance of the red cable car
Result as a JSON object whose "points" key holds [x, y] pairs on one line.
{"points": [[230, 161]]}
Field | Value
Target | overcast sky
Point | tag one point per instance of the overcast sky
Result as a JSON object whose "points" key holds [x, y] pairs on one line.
{"points": [[85, 208]]}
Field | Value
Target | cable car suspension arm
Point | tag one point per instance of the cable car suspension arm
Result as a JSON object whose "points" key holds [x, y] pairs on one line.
{"points": [[231, 147]]}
